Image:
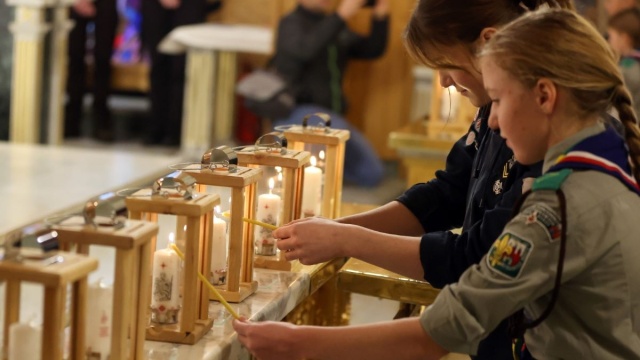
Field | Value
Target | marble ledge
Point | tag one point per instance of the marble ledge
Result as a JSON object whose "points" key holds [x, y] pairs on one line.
{"points": [[278, 293]]}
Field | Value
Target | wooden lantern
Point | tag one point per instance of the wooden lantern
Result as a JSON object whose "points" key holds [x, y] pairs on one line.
{"points": [[132, 242], [271, 150], [451, 113], [55, 271], [222, 171], [179, 199], [334, 140]]}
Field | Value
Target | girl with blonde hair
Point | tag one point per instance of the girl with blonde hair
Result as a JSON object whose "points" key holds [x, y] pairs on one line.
{"points": [[569, 255]]}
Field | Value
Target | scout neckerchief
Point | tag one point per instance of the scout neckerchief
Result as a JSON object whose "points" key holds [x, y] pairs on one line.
{"points": [[605, 152]]}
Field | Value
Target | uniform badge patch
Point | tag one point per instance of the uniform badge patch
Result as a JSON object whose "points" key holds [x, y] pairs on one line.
{"points": [[471, 138], [508, 255], [497, 187], [544, 216]]}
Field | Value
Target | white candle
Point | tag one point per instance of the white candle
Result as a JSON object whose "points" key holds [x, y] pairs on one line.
{"points": [[25, 341], [219, 252], [165, 296], [311, 190], [99, 315], [268, 212]]}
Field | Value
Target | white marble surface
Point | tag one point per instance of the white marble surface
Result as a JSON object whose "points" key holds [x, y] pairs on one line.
{"points": [[227, 37], [278, 293], [38, 180]]}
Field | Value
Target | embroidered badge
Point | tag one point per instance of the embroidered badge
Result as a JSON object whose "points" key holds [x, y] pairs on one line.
{"points": [[507, 166], [508, 255], [544, 216], [477, 122], [471, 138], [497, 187]]}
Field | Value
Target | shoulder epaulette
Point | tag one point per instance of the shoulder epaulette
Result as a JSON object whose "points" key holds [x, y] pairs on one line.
{"points": [[551, 181]]}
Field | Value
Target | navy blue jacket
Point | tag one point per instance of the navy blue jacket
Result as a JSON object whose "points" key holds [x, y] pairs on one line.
{"points": [[476, 191]]}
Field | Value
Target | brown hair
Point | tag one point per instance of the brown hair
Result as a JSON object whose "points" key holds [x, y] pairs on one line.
{"points": [[628, 22], [435, 24], [565, 48]]}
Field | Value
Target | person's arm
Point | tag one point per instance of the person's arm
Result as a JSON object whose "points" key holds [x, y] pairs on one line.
{"points": [[373, 45], [303, 45], [398, 339], [315, 240], [391, 218]]}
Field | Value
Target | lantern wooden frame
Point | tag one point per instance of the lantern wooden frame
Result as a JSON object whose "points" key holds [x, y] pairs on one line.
{"points": [[55, 276], [194, 320], [292, 163], [132, 276], [242, 181], [334, 141]]}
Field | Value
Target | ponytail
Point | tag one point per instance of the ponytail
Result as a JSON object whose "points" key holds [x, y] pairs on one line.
{"points": [[622, 102]]}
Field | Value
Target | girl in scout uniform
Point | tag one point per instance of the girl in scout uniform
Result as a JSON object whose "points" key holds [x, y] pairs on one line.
{"points": [[568, 257], [476, 191]]}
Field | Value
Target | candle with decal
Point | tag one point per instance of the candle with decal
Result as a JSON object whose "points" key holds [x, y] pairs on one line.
{"points": [[219, 251], [268, 212], [165, 296], [99, 316], [25, 341], [312, 190]]}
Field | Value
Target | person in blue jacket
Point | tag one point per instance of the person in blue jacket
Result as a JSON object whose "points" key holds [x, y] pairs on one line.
{"points": [[567, 261], [312, 51], [476, 191]]}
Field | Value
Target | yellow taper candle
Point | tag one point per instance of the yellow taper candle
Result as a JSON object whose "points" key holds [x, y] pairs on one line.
{"points": [[211, 287]]}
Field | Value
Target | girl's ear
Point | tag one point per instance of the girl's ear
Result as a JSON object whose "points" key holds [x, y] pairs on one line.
{"points": [[546, 95], [485, 35]]}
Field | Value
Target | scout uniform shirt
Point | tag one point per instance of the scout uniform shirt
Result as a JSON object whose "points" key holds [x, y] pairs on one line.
{"points": [[597, 314], [477, 191]]}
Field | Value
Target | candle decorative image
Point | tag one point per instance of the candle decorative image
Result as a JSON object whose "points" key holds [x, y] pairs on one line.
{"points": [[99, 315], [165, 296], [312, 190], [218, 275], [268, 212], [25, 341]]}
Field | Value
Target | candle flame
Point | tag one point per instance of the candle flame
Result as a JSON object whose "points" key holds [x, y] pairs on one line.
{"points": [[313, 161], [321, 155], [272, 183]]}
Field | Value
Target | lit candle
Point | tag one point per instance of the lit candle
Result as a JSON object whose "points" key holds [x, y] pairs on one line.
{"points": [[268, 212], [98, 327], [25, 341], [311, 190], [165, 297], [219, 252]]}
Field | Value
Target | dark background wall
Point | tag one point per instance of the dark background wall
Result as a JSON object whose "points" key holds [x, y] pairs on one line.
{"points": [[6, 44]]}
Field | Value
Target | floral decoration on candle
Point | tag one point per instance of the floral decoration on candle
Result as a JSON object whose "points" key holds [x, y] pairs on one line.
{"points": [[268, 212], [165, 295], [218, 273], [99, 320], [312, 190]]}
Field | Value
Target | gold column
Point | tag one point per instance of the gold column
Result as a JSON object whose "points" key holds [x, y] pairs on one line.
{"points": [[28, 32], [225, 96], [58, 73], [198, 107]]}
